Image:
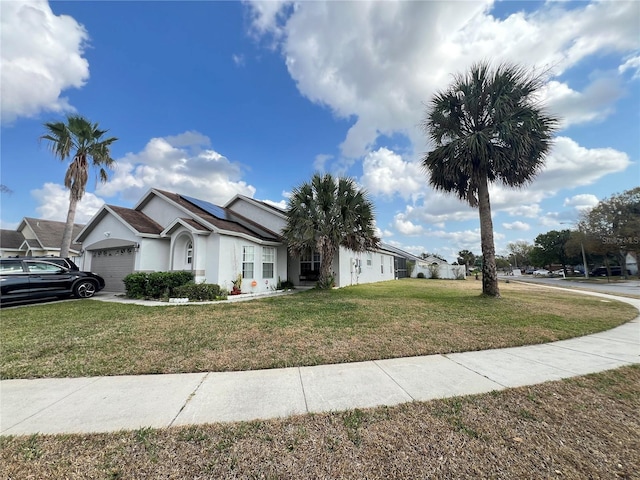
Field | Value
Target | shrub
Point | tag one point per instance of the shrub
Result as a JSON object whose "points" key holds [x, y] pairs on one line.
{"points": [[287, 285], [200, 292], [459, 273], [135, 285], [155, 284], [327, 283], [420, 275], [434, 270]]}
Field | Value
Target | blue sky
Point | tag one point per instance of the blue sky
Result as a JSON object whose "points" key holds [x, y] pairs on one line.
{"points": [[211, 99]]}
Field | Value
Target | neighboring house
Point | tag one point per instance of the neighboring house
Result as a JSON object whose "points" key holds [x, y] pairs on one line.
{"points": [[429, 263], [166, 231], [36, 237], [632, 263]]}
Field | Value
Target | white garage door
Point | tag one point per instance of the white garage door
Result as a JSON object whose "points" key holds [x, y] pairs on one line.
{"points": [[113, 264]]}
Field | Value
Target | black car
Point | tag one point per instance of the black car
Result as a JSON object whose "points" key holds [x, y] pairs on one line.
{"points": [[63, 262], [28, 278], [616, 271]]}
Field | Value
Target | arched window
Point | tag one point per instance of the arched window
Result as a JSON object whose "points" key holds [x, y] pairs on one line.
{"points": [[189, 253]]}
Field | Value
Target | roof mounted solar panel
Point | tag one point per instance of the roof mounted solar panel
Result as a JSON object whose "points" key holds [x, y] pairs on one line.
{"points": [[208, 207], [227, 215]]}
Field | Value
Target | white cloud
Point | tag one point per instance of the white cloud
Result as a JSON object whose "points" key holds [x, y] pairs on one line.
{"points": [[178, 164], [593, 104], [238, 60], [282, 204], [41, 56], [349, 57], [570, 165], [632, 63], [53, 202], [517, 225], [406, 227], [581, 202], [320, 162], [386, 173]]}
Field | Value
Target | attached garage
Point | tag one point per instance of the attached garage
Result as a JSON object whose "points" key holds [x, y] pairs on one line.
{"points": [[113, 264]]}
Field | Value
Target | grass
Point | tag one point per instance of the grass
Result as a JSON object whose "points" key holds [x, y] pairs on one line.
{"points": [[374, 321], [585, 427]]}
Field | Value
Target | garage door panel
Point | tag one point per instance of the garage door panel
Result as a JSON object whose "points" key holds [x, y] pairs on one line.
{"points": [[113, 264]]}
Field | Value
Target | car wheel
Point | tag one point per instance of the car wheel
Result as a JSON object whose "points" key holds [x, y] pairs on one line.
{"points": [[85, 289]]}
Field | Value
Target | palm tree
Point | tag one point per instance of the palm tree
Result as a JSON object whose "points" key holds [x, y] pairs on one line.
{"points": [[325, 214], [84, 138], [487, 127]]}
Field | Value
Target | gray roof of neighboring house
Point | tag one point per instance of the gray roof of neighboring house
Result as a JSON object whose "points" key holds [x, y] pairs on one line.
{"points": [[11, 239], [49, 232], [138, 220], [399, 253]]}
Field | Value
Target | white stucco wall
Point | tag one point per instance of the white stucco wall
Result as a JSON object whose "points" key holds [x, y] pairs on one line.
{"points": [[350, 274], [269, 220], [153, 255], [230, 265], [117, 233], [162, 212], [445, 271]]}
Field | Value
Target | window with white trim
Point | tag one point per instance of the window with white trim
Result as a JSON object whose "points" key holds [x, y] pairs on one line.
{"points": [[247, 261], [310, 262], [268, 262], [369, 259], [381, 263], [189, 253]]}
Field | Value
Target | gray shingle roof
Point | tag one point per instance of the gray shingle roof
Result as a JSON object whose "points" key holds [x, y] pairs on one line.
{"points": [[138, 220], [49, 232], [11, 239]]}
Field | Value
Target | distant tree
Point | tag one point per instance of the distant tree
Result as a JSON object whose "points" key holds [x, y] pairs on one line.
{"points": [[521, 251], [82, 139], [487, 127], [550, 248], [5, 189], [502, 262], [426, 255], [327, 213], [466, 258], [613, 226]]}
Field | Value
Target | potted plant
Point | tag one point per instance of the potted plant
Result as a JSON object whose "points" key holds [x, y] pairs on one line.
{"points": [[237, 285]]}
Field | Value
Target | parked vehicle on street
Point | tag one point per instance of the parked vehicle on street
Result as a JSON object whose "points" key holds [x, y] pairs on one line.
{"points": [[541, 272], [30, 278], [616, 271]]}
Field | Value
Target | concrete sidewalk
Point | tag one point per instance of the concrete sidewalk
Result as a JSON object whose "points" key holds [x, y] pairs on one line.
{"points": [[104, 404]]}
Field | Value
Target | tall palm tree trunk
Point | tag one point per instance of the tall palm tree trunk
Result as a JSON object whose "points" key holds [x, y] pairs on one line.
{"points": [[68, 227], [327, 254], [489, 271]]}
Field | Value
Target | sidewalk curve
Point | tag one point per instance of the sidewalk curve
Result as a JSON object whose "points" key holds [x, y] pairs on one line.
{"points": [[105, 404]]}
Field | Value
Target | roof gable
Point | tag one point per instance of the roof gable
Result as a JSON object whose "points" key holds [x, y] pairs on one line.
{"points": [[49, 233], [232, 223], [137, 222]]}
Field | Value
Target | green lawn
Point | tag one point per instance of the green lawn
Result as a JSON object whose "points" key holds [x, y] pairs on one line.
{"points": [[383, 320]]}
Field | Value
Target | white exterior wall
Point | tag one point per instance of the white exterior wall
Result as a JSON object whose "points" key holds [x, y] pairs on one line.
{"points": [[350, 274], [162, 212], [214, 253], [153, 255], [230, 265], [259, 215], [445, 271], [632, 263], [117, 231]]}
